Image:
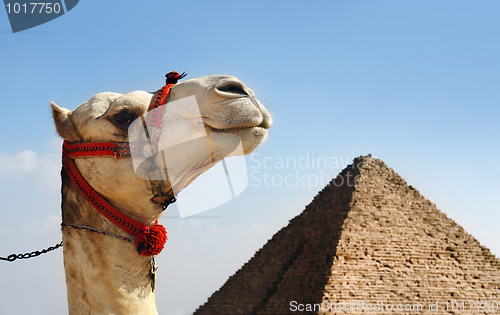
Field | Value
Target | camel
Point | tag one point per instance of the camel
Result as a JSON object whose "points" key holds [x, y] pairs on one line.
{"points": [[105, 274]]}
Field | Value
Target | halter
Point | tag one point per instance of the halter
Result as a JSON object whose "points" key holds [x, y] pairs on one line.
{"points": [[149, 240]]}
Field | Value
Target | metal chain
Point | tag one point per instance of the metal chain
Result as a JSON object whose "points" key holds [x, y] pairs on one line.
{"points": [[36, 253]]}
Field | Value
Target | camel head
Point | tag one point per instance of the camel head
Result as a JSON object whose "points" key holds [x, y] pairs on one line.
{"points": [[215, 112]]}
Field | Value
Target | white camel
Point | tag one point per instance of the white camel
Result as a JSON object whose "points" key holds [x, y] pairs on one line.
{"points": [[104, 272]]}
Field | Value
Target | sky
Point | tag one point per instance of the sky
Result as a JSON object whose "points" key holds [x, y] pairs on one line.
{"points": [[414, 83]]}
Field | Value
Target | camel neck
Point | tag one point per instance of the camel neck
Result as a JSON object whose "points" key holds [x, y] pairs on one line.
{"points": [[103, 274]]}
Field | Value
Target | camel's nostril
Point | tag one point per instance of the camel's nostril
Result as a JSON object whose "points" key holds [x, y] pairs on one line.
{"points": [[231, 89]]}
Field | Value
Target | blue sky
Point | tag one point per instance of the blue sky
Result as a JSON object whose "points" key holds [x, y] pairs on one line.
{"points": [[415, 83]]}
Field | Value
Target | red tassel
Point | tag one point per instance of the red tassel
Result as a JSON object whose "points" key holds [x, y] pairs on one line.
{"points": [[151, 240]]}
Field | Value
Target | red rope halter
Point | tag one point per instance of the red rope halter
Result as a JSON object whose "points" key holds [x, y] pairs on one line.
{"points": [[149, 240]]}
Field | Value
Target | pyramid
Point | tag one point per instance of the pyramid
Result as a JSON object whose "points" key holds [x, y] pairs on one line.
{"points": [[368, 243]]}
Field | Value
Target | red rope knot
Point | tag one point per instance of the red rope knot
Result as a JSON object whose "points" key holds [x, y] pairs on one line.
{"points": [[151, 240], [173, 77]]}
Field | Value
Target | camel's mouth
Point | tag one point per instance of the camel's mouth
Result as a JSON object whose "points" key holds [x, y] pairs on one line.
{"points": [[240, 105], [245, 134], [260, 127], [257, 119]]}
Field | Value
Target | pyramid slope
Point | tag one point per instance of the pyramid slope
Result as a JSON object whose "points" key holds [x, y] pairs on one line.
{"points": [[369, 237]]}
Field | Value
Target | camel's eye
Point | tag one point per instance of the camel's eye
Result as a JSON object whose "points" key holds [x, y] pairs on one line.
{"points": [[123, 118]]}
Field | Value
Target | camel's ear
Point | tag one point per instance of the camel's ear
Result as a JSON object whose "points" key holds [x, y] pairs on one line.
{"points": [[64, 126]]}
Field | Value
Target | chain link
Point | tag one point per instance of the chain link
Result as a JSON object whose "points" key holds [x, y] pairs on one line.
{"points": [[35, 253]]}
